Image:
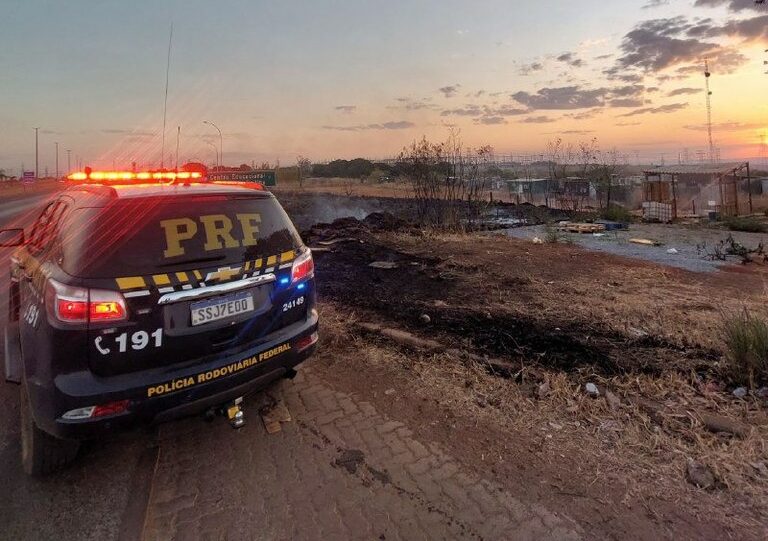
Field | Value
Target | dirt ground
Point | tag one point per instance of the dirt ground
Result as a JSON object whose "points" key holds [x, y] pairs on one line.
{"points": [[501, 337]]}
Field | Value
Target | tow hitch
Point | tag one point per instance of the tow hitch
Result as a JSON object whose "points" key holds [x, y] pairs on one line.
{"points": [[233, 410], [235, 413]]}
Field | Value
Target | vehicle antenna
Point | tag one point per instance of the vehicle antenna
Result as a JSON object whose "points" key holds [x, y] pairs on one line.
{"points": [[165, 103]]}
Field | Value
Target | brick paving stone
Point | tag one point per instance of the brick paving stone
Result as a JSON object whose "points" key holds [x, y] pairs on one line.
{"points": [[340, 470]]}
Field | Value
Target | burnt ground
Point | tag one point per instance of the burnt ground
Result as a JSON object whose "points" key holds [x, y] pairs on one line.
{"points": [[560, 317], [403, 295]]}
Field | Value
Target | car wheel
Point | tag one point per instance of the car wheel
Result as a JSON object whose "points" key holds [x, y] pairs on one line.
{"points": [[41, 453]]}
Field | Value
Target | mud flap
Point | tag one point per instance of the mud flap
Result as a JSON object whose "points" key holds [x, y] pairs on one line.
{"points": [[12, 353]]}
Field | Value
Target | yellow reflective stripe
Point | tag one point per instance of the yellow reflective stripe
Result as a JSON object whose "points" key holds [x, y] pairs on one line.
{"points": [[287, 256], [247, 266], [257, 264], [130, 282], [198, 275], [271, 260], [182, 277], [161, 279]]}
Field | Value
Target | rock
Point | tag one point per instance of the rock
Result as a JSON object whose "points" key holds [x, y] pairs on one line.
{"points": [[650, 407], [440, 304], [700, 474], [762, 393], [389, 392], [537, 240], [672, 251], [424, 318], [614, 402], [718, 423], [543, 390], [592, 390], [740, 392]]}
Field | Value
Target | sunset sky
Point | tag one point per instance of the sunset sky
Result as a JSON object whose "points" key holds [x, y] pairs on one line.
{"points": [[346, 78]]}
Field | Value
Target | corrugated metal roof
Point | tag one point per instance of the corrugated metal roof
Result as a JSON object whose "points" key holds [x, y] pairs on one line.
{"points": [[696, 169]]}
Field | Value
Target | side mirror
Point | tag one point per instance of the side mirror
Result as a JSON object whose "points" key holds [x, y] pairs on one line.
{"points": [[11, 237]]}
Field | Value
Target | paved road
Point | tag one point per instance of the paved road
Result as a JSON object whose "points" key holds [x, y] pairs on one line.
{"points": [[339, 469]]}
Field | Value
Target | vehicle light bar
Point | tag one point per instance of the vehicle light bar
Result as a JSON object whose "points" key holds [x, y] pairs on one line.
{"points": [[131, 175]]}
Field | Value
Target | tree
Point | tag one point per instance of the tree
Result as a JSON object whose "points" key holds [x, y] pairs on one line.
{"points": [[304, 165]]}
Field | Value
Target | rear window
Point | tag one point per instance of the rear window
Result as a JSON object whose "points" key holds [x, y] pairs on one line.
{"points": [[132, 237]]}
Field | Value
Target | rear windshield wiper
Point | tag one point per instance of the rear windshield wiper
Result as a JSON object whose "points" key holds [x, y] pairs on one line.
{"points": [[190, 261]]}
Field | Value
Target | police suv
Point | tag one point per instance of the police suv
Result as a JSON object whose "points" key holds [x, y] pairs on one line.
{"points": [[141, 297]]}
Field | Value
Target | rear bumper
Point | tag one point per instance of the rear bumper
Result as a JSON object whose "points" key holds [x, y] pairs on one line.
{"points": [[163, 394]]}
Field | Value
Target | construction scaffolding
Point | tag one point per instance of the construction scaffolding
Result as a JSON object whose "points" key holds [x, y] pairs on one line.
{"points": [[690, 190]]}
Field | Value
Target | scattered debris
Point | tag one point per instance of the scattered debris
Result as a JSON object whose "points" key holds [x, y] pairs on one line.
{"points": [[718, 423], [425, 319], [335, 241], [389, 392], [592, 390], [700, 475], [637, 333], [273, 415], [672, 251], [383, 265], [580, 227], [403, 337], [543, 390], [440, 304], [537, 240], [645, 242], [740, 392]]}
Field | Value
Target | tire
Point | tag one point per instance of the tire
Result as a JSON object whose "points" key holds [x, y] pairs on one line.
{"points": [[41, 453]]}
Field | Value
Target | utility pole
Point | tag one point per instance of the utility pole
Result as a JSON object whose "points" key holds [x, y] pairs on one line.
{"points": [[178, 136], [221, 140], [37, 164], [57, 160], [216, 150], [69, 160]]}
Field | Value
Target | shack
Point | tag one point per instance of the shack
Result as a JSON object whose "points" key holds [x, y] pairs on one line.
{"points": [[671, 192]]}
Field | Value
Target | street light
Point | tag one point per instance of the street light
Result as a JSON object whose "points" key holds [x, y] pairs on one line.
{"points": [[216, 150], [221, 140]]}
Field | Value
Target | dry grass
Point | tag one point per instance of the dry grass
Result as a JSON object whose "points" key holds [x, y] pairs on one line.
{"points": [[645, 453]]}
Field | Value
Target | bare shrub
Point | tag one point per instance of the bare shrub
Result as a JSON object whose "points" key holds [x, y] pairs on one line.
{"points": [[746, 346], [449, 185]]}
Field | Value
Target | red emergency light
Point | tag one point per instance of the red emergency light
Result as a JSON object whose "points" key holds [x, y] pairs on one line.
{"points": [[127, 176]]}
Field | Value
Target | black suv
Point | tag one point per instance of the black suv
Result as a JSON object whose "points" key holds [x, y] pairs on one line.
{"points": [[143, 302]]}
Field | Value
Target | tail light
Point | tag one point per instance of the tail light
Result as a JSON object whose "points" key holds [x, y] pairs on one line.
{"points": [[303, 267], [80, 305]]}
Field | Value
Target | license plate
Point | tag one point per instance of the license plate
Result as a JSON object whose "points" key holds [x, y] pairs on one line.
{"points": [[221, 308]]}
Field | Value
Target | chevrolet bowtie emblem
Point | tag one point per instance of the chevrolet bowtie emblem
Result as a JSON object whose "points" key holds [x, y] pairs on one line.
{"points": [[223, 274]]}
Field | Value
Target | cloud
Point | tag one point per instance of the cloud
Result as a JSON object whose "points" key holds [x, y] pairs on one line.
{"points": [[538, 120], [346, 109], [491, 120], [604, 57], [413, 104], [571, 59], [624, 124], [527, 69], [577, 132], [733, 5], [626, 102], [485, 110], [584, 114], [567, 97], [678, 42], [399, 125], [728, 126], [450, 90], [469, 110], [669, 108], [655, 4], [683, 92]]}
